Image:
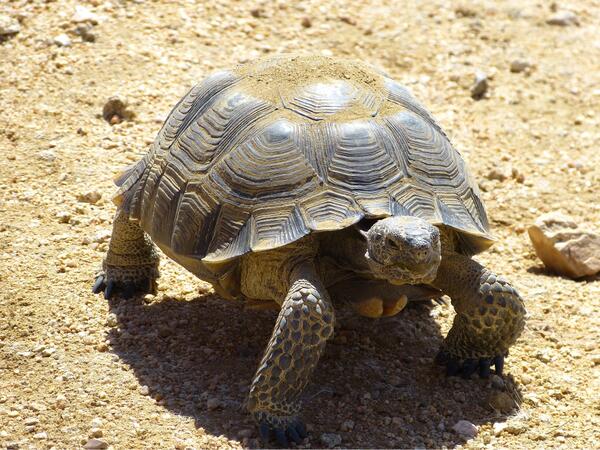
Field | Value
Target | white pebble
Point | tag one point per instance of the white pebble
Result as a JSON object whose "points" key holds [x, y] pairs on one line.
{"points": [[47, 155], [62, 40], [563, 19], [83, 14], [8, 25]]}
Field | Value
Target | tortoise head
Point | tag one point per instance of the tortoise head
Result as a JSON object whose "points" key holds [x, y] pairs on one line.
{"points": [[404, 250]]}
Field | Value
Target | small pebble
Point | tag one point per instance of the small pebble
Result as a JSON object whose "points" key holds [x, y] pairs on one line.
{"points": [[465, 429], [497, 381], [563, 19], [502, 402], [480, 86], [96, 432], [63, 216], [91, 197], [47, 155], [499, 427], [62, 40], [111, 320], [245, 433], [544, 355], [515, 428], [41, 436], [96, 422], [86, 32], [8, 25], [213, 403], [60, 402], [347, 425], [519, 65], [116, 109], [48, 352], [95, 444], [144, 390], [102, 236], [257, 13], [83, 14], [498, 174], [306, 22], [331, 439]]}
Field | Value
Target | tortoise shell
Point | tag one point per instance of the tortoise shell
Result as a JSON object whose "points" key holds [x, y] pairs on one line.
{"points": [[259, 156]]}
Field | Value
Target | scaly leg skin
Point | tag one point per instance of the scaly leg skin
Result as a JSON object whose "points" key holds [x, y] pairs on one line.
{"points": [[490, 316], [305, 322], [131, 264]]}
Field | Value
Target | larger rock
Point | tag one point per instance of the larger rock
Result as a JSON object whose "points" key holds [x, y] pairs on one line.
{"points": [[564, 247]]}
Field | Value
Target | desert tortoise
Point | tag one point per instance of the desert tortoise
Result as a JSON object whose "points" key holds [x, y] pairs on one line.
{"points": [[284, 177]]}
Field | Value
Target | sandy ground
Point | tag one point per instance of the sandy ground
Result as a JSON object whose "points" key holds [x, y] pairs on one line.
{"points": [[173, 370]]}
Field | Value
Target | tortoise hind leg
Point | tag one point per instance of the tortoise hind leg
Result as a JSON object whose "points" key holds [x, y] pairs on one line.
{"points": [[305, 322], [131, 264]]}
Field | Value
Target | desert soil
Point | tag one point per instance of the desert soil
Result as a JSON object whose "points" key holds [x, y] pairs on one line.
{"points": [[173, 370]]}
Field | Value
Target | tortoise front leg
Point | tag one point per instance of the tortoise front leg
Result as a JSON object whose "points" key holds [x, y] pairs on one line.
{"points": [[304, 324], [490, 316], [131, 264]]}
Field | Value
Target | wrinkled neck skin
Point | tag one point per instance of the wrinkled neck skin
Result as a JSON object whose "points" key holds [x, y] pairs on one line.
{"points": [[404, 250]]}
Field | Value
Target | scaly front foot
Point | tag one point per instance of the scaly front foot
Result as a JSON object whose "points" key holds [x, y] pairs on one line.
{"points": [[490, 316]]}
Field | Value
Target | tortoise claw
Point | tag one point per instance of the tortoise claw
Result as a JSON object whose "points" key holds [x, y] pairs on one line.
{"points": [[126, 288], [499, 364], [295, 432], [467, 367], [264, 431], [110, 287], [484, 368], [281, 438], [99, 284]]}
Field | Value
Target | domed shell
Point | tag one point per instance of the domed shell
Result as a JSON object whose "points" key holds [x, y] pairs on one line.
{"points": [[259, 156]]}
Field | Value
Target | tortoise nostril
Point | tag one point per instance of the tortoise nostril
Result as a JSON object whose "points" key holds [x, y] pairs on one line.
{"points": [[391, 243]]}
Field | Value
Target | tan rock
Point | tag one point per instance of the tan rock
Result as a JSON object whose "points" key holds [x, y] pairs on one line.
{"points": [[564, 247]]}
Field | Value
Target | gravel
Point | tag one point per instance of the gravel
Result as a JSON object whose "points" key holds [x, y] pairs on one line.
{"points": [[543, 122]]}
